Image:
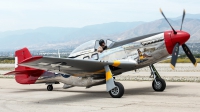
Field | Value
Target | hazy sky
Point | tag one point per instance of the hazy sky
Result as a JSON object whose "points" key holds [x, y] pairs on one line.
{"points": [[31, 14]]}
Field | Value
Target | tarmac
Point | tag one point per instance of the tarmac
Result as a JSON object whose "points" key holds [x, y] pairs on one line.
{"points": [[138, 97]]}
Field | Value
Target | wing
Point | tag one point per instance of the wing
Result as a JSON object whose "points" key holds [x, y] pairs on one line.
{"points": [[76, 67]]}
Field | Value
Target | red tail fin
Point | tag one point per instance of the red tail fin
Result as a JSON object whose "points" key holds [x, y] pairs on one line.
{"points": [[25, 75], [21, 55]]}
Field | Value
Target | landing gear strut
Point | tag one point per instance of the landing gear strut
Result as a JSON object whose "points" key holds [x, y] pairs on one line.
{"points": [[115, 89], [50, 87], [158, 83]]}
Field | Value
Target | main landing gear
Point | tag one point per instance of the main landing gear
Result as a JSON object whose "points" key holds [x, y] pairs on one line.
{"points": [[158, 83], [118, 91], [115, 89]]}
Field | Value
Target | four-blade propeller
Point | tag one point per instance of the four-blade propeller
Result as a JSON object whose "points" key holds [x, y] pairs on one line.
{"points": [[176, 47]]}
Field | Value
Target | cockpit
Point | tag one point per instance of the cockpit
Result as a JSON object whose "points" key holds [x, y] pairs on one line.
{"points": [[89, 47], [85, 46]]}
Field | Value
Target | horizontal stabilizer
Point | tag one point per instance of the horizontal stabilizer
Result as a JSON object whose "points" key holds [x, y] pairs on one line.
{"points": [[18, 72]]}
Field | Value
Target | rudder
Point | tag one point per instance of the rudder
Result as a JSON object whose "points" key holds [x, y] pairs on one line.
{"points": [[25, 78], [21, 55]]}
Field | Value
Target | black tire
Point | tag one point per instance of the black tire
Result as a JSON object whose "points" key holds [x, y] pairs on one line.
{"points": [[50, 87], [160, 86], [118, 91]]}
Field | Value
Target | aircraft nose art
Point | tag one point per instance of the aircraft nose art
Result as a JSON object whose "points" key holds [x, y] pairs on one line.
{"points": [[171, 39]]}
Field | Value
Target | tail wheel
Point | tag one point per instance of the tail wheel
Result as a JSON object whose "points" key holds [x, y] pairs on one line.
{"points": [[50, 87], [118, 91], [159, 84]]}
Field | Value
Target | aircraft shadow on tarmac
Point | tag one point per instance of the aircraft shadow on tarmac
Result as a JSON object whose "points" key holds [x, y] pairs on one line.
{"points": [[88, 95]]}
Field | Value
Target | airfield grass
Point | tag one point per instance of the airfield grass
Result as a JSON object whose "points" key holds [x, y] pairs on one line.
{"points": [[7, 60]]}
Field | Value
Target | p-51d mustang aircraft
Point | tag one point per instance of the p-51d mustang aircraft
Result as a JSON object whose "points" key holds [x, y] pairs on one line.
{"points": [[87, 67]]}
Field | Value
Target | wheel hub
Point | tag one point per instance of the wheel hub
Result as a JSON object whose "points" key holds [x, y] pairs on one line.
{"points": [[158, 85], [115, 91]]}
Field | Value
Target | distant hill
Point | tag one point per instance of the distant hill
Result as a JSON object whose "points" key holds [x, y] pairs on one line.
{"points": [[190, 16], [47, 37], [190, 25]]}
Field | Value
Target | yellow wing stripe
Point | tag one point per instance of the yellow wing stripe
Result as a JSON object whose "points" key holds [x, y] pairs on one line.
{"points": [[116, 63], [108, 75]]}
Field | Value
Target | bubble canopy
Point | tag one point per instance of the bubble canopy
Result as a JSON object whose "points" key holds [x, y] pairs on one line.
{"points": [[85, 46]]}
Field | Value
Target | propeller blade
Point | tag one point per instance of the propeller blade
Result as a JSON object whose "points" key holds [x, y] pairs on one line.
{"points": [[183, 19], [174, 55], [189, 54], [168, 21]]}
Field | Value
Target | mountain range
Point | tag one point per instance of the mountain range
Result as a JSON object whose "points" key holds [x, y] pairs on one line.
{"points": [[49, 37], [64, 38], [191, 26]]}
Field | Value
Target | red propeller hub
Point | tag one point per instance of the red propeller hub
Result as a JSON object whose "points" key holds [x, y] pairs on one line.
{"points": [[171, 39]]}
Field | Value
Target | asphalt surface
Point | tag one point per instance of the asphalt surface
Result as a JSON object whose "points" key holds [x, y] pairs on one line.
{"points": [[138, 97]]}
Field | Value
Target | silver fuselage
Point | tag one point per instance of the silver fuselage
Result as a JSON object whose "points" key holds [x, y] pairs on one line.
{"points": [[142, 53]]}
